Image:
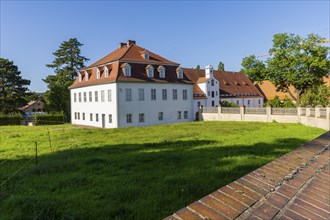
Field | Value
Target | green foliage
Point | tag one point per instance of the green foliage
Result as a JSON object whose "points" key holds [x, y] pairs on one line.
{"points": [[10, 119], [221, 66], [49, 119], [198, 67], [296, 61], [132, 173], [12, 87], [277, 103], [228, 104], [66, 65], [318, 95]]}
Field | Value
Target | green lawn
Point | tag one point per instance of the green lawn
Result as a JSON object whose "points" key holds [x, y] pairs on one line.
{"points": [[132, 173]]}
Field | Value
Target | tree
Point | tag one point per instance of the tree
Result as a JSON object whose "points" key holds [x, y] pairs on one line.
{"points": [[66, 65], [300, 62], [221, 66], [13, 87], [198, 67], [317, 95]]}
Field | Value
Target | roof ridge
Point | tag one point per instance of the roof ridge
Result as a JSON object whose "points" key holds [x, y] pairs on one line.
{"points": [[130, 46]]}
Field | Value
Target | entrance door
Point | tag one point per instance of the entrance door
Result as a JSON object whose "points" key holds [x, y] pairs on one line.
{"points": [[103, 120]]}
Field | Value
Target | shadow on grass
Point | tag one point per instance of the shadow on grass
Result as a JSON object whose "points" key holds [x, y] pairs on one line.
{"points": [[134, 181]]}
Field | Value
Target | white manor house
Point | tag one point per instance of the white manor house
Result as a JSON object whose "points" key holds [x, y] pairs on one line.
{"points": [[133, 86]]}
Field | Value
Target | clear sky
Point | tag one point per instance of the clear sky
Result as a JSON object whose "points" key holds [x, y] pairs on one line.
{"points": [[186, 32]]}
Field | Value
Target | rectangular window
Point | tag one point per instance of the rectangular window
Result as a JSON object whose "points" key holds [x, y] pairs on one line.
{"points": [[91, 116], [212, 103], [185, 114], [110, 118], [78, 115], [212, 94], [109, 95], [102, 96], [179, 114], [212, 82], [96, 96], [216, 93], [141, 117], [184, 94], [160, 116], [175, 94], [248, 102], [75, 115], [129, 118], [79, 96], [96, 117], [164, 93], [128, 93], [83, 116], [75, 97], [208, 93], [153, 94], [85, 97], [237, 102], [141, 94], [90, 97]]}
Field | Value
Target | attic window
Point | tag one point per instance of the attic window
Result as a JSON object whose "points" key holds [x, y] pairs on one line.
{"points": [[150, 71], [79, 77], [106, 72], [179, 73], [86, 76], [98, 73], [127, 69], [161, 70]]}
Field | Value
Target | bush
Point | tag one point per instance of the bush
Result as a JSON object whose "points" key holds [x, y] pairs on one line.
{"points": [[276, 102], [228, 104], [49, 119], [318, 95], [11, 119]]}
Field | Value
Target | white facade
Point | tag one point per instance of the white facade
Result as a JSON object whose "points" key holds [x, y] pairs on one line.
{"points": [[254, 102], [132, 104]]}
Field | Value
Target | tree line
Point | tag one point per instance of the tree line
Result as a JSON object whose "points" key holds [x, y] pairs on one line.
{"points": [[294, 61]]}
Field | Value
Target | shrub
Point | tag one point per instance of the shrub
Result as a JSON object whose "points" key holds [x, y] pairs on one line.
{"points": [[11, 119], [49, 119], [228, 104]]}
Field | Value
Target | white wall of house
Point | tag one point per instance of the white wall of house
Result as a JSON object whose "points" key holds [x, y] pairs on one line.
{"points": [[82, 109], [152, 108], [254, 102]]}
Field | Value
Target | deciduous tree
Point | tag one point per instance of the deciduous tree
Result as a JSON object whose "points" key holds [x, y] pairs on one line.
{"points": [[221, 66]]}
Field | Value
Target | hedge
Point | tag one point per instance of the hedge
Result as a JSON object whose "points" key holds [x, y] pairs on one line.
{"points": [[11, 119], [49, 119]]}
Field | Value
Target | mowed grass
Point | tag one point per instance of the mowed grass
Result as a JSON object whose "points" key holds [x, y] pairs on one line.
{"points": [[131, 173]]}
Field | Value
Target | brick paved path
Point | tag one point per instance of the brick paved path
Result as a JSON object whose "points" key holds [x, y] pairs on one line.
{"points": [[294, 186]]}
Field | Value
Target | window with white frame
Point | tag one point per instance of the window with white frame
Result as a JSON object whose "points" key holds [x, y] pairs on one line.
{"points": [[106, 72], [153, 94], [179, 73], [141, 94], [109, 96], [75, 97], [184, 94], [86, 76], [175, 94], [90, 96], [83, 116], [160, 116], [98, 73], [78, 115], [91, 116], [102, 96], [185, 114], [127, 70], [212, 82], [141, 117], [164, 94], [80, 77], [79, 96], [85, 97], [128, 93], [75, 115], [150, 71], [110, 118], [161, 70], [248, 102], [96, 117], [179, 114], [129, 118], [237, 102], [96, 96]]}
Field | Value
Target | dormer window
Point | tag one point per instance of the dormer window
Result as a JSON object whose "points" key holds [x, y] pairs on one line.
{"points": [[98, 73], [179, 72], [150, 71], [106, 72], [86, 76], [161, 71], [145, 54], [80, 77], [127, 69]]}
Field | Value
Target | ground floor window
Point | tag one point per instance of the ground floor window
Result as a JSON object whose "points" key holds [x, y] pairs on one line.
{"points": [[96, 117], [129, 118], [83, 116], [185, 114], [141, 117], [179, 114], [160, 116], [78, 115], [75, 115], [91, 116], [110, 118]]}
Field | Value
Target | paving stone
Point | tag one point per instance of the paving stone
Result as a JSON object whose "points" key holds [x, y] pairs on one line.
{"points": [[293, 215], [252, 186], [205, 211], [187, 214], [303, 212], [237, 196], [317, 203], [265, 211], [311, 208], [229, 201], [287, 190], [220, 207], [245, 190], [278, 200]]}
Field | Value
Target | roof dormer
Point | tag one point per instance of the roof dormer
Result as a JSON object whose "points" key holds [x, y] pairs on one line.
{"points": [[79, 77], [106, 72], [126, 69], [161, 71], [179, 73], [98, 73], [145, 54], [150, 71], [86, 76]]}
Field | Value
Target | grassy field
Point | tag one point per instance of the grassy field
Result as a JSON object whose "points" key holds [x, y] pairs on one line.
{"points": [[132, 173]]}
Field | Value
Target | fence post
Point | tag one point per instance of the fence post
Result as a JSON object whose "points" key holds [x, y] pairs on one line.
{"points": [[219, 113], [308, 111], [242, 112], [269, 113], [327, 116], [318, 111], [299, 114]]}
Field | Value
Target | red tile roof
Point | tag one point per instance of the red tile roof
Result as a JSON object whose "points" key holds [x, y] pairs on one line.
{"points": [[232, 84]]}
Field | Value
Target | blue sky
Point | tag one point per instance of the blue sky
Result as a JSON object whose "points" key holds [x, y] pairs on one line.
{"points": [[187, 32]]}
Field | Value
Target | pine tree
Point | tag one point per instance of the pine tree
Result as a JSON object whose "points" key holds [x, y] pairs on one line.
{"points": [[198, 67], [221, 66]]}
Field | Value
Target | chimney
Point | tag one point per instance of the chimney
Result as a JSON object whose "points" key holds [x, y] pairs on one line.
{"points": [[122, 45], [130, 42], [209, 71]]}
